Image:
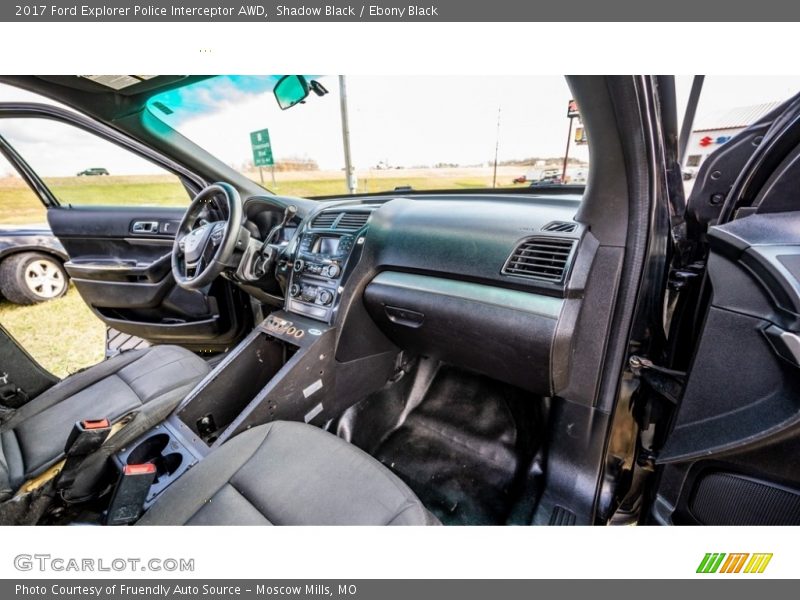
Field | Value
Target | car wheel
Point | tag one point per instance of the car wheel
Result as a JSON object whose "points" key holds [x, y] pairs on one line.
{"points": [[32, 277]]}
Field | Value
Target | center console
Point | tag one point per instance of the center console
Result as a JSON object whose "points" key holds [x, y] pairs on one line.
{"points": [[322, 255], [284, 370]]}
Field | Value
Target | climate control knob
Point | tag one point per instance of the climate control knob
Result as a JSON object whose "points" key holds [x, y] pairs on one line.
{"points": [[298, 265], [332, 271], [294, 290], [325, 297]]}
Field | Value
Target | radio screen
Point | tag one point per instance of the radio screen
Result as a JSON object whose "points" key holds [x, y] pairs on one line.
{"points": [[326, 245]]}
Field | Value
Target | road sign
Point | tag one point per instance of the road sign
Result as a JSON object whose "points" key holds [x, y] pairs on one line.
{"points": [[262, 148], [572, 109]]}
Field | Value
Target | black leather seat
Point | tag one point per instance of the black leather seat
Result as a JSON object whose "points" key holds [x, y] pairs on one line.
{"points": [[286, 473], [149, 382]]}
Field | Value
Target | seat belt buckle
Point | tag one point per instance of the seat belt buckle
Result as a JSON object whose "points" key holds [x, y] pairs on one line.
{"points": [[86, 437], [127, 503]]}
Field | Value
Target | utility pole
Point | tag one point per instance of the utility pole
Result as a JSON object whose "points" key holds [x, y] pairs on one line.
{"points": [[566, 152], [352, 185], [496, 149]]}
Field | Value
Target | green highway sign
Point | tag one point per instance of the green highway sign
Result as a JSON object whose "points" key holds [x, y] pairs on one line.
{"points": [[262, 148]]}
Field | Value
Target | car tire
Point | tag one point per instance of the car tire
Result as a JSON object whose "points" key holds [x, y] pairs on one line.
{"points": [[32, 277]]}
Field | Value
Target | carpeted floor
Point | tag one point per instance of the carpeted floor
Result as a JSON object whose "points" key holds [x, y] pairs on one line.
{"points": [[467, 448]]}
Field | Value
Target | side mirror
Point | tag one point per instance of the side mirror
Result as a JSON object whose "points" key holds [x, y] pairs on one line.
{"points": [[290, 90]]}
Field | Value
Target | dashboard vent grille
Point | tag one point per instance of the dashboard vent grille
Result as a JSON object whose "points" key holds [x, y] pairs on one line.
{"points": [[352, 221], [541, 258], [340, 220], [560, 226], [324, 220]]}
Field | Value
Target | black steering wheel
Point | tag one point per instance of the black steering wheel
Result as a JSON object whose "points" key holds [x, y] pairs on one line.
{"points": [[201, 252]]}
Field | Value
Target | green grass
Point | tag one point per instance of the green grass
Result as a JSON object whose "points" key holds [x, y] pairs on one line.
{"points": [[331, 187], [18, 204], [62, 334], [155, 191]]}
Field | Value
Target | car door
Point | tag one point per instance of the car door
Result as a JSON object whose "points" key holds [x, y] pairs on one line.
{"points": [[115, 206], [727, 450]]}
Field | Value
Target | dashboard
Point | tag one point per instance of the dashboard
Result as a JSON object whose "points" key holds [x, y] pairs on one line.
{"points": [[477, 280]]}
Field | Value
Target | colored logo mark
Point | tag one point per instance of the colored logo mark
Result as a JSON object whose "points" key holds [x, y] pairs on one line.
{"points": [[739, 562], [708, 140]]}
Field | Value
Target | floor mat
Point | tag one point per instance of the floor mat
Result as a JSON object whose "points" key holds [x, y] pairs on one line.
{"points": [[466, 448]]}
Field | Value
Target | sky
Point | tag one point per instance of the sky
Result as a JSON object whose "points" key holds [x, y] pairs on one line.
{"points": [[397, 120], [401, 121]]}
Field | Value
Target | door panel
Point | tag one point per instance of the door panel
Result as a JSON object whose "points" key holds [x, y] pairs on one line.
{"points": [[729, 454], [730, 457], [116, 222], [115, 206], [120, 262]]}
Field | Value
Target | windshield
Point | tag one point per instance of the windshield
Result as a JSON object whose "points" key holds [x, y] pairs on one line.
{"points": [[425, 133]]}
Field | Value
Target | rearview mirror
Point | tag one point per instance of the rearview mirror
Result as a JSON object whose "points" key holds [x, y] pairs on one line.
{"points": [[290, 90]]}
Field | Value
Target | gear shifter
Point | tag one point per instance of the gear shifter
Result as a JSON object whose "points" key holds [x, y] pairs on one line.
{"points": [[288, 215]]}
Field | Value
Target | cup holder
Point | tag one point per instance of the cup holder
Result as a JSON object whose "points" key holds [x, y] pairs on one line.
{"points": [[169, 463], [151, 450]]}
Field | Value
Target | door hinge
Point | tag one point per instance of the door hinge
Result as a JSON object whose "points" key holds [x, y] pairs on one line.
{"points": [[679, 278], [667, 383]]}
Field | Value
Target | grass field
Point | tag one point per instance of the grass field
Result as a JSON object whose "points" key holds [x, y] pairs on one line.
{"points": [[329, 183], [18, 204], [65, 336]]}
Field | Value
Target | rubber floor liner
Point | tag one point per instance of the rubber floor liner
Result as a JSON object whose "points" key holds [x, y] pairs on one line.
{"points": [[462, 449]]}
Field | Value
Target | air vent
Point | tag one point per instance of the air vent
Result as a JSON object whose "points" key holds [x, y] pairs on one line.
{"points": [[560, 226], [541, 258], [324, 220], [352, 221], [340, 221]]}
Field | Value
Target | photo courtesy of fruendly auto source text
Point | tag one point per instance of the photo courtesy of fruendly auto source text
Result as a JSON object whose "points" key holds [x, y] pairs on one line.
{"points": [[366, 301]]}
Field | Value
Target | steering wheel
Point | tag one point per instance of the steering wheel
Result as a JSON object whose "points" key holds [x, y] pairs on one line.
{"points": [[201, 253]]}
